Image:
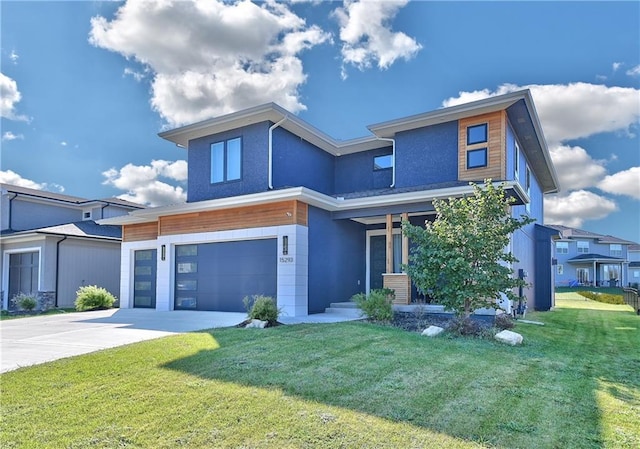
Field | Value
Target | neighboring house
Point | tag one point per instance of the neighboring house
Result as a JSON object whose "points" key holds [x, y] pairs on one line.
{"points": [[587, 258], [277, 207], [633, 254], [50, 245]]}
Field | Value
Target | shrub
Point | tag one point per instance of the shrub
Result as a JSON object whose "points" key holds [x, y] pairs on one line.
{"points": [[377, 304], [25, 302], [92, 297], [606, 298], [503, 321], [262, 308]]}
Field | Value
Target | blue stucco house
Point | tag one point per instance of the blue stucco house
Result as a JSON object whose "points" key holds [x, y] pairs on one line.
{"points": [[584, 258], [277, 207]]}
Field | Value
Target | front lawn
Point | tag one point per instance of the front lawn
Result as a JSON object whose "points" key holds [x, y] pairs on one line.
{"points": [[574, 384]]}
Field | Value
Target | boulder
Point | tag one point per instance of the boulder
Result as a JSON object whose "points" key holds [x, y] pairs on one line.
{"points": [[432, 331], [509, 337], [256, 324]]}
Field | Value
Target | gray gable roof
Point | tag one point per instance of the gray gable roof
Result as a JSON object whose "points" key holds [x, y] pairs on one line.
{"points": [[84, 229], [567, 232]]}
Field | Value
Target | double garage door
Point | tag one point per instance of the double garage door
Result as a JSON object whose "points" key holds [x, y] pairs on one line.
{"points": [[217, 276]]}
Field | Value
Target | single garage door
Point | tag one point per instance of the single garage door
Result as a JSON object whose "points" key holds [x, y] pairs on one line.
{"points": [[217, 276]]}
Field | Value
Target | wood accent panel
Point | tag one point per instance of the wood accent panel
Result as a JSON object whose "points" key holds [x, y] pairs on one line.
{"points": [[496, 147], [141, 231], [272, 214], [400, 284]]}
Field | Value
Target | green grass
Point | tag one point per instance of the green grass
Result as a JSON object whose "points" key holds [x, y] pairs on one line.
{"points": [[573, 384]]}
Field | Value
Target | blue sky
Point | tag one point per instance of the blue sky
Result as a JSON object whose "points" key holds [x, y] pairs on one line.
{"points": [[86, 86]]}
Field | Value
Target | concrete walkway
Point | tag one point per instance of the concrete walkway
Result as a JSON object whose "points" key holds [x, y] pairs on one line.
{"points": [[40, 339]]}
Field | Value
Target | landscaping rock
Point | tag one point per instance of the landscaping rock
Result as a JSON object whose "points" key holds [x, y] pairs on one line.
{"points": [[509, 337], [256, 324], [432, 331]]}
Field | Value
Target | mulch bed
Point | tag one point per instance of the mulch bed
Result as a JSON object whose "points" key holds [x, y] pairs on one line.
{"points": [[415, 322]]}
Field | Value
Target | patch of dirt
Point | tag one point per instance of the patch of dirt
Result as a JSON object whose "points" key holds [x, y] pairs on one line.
{"points": [[417, 322]]}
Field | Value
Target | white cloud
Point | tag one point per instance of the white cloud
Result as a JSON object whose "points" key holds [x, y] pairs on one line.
{"points": [[575, 168], [626, 182], [616, 65], [143, 186], [367, 36], [8, 136], [572, 111], [13, 178], [63, 143], [9, 97], [634, 71], [576, 207], [13, 57], [211, 57]]}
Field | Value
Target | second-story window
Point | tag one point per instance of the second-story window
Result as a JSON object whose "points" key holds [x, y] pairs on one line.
{"points": [[615, 250], [516, 161], [583, 247], [476, 134], [226, 160], [382, 162], [527, 186], [562, 247], [477, 158]]}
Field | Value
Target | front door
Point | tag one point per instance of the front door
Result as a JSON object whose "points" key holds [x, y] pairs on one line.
{"points": [[377, 260], [144, 279]]}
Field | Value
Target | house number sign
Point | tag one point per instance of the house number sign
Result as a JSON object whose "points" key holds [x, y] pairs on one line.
{"points": [[286, 259]]}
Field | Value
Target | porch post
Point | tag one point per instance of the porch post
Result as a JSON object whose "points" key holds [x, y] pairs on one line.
{"points": [[405, 242], [389, 229], [595, 275]]}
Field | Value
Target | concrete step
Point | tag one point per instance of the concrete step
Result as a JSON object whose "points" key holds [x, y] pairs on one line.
{"points": [[343, 305], [343, 310]]}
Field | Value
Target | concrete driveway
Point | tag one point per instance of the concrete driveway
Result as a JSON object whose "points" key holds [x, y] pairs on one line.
{"points": [[30, 341]]}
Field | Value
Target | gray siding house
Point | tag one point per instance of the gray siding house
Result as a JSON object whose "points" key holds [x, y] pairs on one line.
{"points": [[50, 245]]}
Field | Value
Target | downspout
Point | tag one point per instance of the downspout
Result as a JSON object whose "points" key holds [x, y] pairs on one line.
{"points": [[271, 128], [55, 304], [393, 159]]}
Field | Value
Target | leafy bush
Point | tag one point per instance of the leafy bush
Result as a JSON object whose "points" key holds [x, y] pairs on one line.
{"points": [[262, 308], [377, 304], [92, 297], [606, 298], [503, 321], [25, 302]]}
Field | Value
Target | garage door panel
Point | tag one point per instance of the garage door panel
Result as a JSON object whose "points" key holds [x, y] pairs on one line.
{"points": [[229, 271]]}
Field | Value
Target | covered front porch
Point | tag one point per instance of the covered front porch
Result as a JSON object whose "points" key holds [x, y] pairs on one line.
{"points": [[597, 270]]}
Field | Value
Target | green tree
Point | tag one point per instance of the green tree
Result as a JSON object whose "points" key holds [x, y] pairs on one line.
{"points": [[460, 258]]}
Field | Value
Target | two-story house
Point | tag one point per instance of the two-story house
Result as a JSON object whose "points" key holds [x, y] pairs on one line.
{"points": [[50, 245], [277, 207], [587, 258]]}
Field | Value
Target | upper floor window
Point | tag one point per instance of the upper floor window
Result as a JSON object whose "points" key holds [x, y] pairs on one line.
{"points": [[583, 247], [516, 161], [383, 162], [527, 186], [562, 247], [476, 134], [226, 160], [477, 158], [615, 250], [86, 215]]}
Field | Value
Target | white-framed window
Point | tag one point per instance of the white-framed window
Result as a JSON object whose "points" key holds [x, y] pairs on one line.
{"points": [[583, 247], [527, 185], [86, 215], [562, 247], [516, 161], [615, 250], [560, 269]]}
